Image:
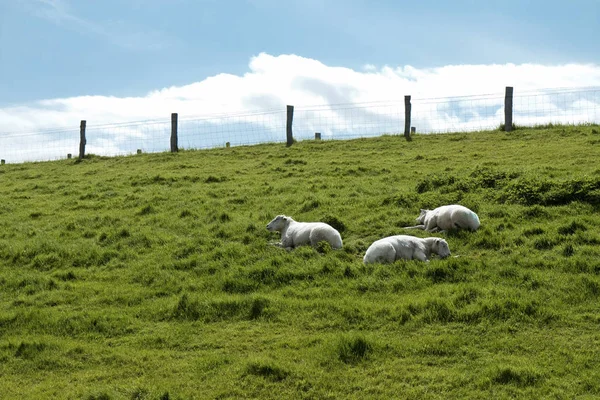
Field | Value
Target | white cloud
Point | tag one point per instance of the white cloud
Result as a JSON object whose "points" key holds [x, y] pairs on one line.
{"points": [[369, 67], [337, 101]]}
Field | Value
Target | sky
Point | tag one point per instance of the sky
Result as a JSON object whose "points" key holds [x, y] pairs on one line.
{"points": [[116, 61]]}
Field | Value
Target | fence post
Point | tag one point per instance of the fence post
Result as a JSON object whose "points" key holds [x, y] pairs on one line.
{"points": [[317, 135], [407, 108], [174, 148], [82, 139], [288, 125], [508, 109]]}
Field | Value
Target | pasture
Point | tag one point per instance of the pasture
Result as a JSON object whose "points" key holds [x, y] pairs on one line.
{"points": [[151, 276]]}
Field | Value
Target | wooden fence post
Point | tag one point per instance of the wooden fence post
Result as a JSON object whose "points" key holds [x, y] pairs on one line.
{"points": [[508, 109], [82, 140], [317, 135], [174, 148], [288, 125], [407, 108]]}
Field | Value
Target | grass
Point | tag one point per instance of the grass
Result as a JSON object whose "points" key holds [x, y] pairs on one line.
{"points": [[152, 277]]}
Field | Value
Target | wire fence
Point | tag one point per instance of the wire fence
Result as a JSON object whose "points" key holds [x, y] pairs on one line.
{"points": [[332, 122]]}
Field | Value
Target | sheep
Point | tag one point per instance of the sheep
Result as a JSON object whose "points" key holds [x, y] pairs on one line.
{"points": [[294, 234], [392, 248], [446, 218]]}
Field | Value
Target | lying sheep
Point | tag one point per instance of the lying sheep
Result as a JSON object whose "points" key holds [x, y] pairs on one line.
{"points": [[294, 234], [392, 248], [446, 218]]}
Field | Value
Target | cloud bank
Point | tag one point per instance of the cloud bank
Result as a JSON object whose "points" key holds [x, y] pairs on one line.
{"points": [[338, 101]]}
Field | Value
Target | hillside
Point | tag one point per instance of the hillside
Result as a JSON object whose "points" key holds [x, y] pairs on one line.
{"points": [[151, 276]]}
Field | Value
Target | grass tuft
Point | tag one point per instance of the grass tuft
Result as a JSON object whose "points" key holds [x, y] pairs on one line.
{"points": [[353, 349], [29, 351], [517, 377], [572, 228], [268, 370]]}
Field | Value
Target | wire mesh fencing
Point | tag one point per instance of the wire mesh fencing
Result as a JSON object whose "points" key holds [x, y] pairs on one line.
{"points": [[566, 106], [236, 129], [38, 146], [332, 121]]}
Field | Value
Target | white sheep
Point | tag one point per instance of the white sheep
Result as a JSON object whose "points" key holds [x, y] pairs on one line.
{"points": [[446, 218], [294, 234], [392, 248]]}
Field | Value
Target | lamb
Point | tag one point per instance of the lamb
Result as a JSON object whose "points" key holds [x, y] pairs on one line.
{"points": [[294, 234], [446, 218], [392, 248]]}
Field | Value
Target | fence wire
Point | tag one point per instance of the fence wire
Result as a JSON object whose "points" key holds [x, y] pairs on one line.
{"points": [[334, 122]]}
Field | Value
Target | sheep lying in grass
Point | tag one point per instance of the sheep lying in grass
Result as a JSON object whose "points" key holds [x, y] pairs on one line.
{"points": [[446, 218], [294, 234], [392, 248]]}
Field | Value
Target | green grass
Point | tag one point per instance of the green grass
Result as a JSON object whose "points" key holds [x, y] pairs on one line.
{"points": [[152, 277]]}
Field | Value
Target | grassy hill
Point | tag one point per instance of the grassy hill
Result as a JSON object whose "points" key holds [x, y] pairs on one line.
{"points": [[152, 277]]}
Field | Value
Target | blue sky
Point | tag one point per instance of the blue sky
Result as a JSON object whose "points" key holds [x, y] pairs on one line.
{"points": [[120, 61], [64, 48]]}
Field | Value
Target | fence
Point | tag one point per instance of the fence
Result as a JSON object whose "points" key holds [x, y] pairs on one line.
{"points": [[339, 121]]}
